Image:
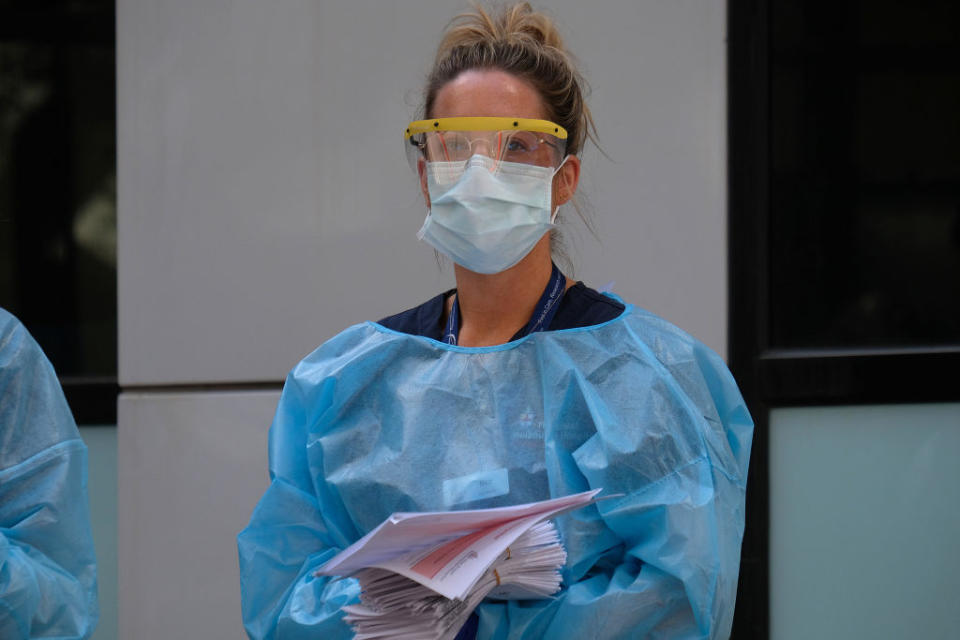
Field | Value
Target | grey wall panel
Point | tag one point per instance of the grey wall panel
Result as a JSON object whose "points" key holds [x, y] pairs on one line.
{"points": [[658, 74], [191, 468], [264, 202]]}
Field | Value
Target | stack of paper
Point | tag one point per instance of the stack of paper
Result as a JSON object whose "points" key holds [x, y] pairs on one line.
{"points": [[394, 606], [422, 574]]}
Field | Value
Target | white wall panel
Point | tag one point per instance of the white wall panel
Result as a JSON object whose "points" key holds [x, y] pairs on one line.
{"points": [[191, 468], [264, 200], [658, 74]]}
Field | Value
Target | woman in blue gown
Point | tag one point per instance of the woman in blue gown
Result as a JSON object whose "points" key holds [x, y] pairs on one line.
{"points": [[517, 386]]}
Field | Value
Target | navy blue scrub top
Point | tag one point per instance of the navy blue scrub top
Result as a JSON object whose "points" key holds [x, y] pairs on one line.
{"points": [[580, 306]]}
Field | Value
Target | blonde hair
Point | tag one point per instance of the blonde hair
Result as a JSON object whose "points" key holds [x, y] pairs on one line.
{"points": [[525, 43]]}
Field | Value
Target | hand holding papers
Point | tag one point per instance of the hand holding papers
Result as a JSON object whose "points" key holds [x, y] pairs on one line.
{"points": [[398, 608], [422, 574]]}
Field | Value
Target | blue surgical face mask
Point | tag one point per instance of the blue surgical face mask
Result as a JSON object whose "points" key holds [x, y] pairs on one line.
{"points": [[486, 215]]}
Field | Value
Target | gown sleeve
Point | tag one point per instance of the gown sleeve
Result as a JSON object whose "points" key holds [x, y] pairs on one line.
{"points": [[48, 582], [666, 554], [295, 528]]}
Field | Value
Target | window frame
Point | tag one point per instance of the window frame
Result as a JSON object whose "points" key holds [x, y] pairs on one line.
{"points": [[772, 378]]}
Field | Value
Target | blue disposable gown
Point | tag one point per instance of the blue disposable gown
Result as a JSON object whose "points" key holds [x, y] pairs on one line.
{"points": [[376, 421], [48, 575]]}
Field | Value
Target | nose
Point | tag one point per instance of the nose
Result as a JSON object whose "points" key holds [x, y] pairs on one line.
{"points": [[483, 145]]}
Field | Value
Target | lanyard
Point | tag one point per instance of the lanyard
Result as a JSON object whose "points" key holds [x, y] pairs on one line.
{"points": [[540, 320]]}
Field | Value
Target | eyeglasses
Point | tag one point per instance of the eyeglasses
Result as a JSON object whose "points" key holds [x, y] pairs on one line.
{"points": [[535, 142]]}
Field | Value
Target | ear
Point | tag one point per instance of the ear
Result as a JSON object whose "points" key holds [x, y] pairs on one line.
{"points": [[565, 181], [422, 171]]}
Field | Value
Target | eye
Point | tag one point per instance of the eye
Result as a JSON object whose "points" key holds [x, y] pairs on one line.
{"points": [[456, 142], [521, 142]]}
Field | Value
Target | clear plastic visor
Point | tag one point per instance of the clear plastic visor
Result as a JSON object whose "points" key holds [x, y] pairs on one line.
{"points": [[521, 147]]}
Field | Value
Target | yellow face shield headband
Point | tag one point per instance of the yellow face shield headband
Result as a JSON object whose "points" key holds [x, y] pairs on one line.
{"points": [[521, 140]]}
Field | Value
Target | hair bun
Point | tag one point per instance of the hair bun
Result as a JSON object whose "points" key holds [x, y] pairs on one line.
{"points": [[517, 24], [525, 43]]}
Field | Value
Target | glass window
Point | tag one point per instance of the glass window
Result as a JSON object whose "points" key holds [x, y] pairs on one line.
{"points": [[58, 180], [865, 174]]}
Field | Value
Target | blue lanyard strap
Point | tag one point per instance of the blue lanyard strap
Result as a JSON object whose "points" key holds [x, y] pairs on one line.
{"points": [[540, 320]]}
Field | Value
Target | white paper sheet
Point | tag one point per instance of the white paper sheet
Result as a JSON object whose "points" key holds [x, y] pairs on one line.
{"points": [[395, 607], [447, 551]]}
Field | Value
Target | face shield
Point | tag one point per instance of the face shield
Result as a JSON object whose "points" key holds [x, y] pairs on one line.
{"points": [[446, 145]]}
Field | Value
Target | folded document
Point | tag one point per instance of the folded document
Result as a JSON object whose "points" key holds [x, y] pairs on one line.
{"points": [[422, 574]]}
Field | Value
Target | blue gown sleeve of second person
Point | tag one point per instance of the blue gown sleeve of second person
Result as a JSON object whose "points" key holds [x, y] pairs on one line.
{"points": [[48, 577]]}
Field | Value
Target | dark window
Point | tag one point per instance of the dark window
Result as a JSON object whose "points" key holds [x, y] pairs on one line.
{"points": [[864, 174], [58, 190]]}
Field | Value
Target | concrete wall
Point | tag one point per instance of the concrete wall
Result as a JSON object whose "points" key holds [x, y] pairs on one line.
{"points": [[265, 204]]}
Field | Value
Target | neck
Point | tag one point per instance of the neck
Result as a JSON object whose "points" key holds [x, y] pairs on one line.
{"points": [[494, 307]]}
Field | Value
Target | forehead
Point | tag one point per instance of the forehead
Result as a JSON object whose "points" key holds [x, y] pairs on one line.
{"points": [[488, 93]]}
